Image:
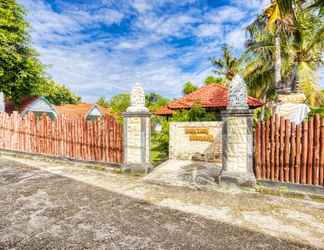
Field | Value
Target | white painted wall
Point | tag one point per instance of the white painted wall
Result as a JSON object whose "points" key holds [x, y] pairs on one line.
{"points": [[181, 147]]}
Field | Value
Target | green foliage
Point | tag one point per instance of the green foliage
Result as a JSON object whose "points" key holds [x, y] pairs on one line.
{"points": [[300, 31], [119, 103], [214, 80], [314, 111], [196, 113], [189, 88], [228, 65], [160, 141], [21, 73], [57, 94], [154, 101], [103, 102]]}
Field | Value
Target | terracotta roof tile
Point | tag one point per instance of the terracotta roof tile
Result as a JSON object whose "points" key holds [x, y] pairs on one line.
{"points": [[209, 96], [164, 111], [77, 110]]}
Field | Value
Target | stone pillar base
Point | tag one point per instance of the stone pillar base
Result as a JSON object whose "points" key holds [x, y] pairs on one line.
{"points": [[239, 179], [142, 168]]}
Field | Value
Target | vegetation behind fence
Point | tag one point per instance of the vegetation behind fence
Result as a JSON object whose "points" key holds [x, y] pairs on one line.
{"points": [[98, 140], [292, 153]]}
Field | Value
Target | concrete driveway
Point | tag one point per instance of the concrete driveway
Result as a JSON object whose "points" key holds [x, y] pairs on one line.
{"points": [[52, 206]]}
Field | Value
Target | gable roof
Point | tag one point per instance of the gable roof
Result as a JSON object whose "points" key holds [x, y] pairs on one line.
{"points": [[69, 110], [209, 96], [25, 103], [81, 109]]}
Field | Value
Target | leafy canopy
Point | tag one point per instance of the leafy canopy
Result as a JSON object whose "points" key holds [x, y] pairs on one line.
{"points": [[189, 88], [20, 71]]}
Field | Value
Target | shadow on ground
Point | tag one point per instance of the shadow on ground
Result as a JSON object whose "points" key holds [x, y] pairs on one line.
{"points": [[41, 210]]}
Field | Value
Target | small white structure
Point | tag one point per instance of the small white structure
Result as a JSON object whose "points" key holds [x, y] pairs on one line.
{"points": [[137, 100], [294, 112], [237, 98]]}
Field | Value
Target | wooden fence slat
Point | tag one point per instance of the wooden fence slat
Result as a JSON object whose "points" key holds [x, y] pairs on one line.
{"points": [[282, 145], [272, 147], [287, 149], [304, 153], [310, 151], [277, 147], [262, 150], [316, 160], [321, 181], [292, 153], [267, 149], [321, 178], [298, 153]]}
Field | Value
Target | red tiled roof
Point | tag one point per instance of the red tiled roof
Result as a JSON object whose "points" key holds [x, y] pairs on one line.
{"points": [[77, 110], [209, 96], [164, 111]]}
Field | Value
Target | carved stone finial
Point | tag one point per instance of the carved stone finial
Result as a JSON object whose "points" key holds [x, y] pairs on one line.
{"points": [[237, 98], [137, 99], [2, 102]]}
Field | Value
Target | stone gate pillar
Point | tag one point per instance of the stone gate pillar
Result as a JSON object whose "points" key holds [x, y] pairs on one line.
{"points": [[238, 137], [2, 103], [137, 133]]}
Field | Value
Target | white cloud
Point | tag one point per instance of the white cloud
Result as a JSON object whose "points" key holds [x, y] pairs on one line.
{"points": [[236, 38], [142, 5], [95, 63], [169, 25], [209, 30], [226, 14]]}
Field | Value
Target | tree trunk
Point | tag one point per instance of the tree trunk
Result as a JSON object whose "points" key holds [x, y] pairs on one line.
{"points": [[294, 80], [277, 61], [262, 114]]}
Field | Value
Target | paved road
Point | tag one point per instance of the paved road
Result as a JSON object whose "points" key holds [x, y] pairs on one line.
{"points": [[41, 210]]}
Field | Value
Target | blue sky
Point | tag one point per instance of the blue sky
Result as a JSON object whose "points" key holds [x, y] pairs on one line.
{"points": [[102, 47]]}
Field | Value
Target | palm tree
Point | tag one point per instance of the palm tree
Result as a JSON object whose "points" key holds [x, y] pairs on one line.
{"points": [[280, 16], [227, 66], [296, 56], [306, 48]]}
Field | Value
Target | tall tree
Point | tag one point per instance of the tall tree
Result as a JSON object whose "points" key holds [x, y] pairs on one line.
{"points": [[103, 102], [279, 17], [189, 88], [119, 103], [20, 71], [214, 80], [154, 101], [227, 66], [56, 93], [300, 46]]}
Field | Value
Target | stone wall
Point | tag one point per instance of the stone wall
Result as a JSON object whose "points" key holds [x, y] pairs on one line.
{"points": [[202, 140]]}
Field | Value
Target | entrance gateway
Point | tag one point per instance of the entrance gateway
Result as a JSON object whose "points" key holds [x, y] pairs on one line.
{"points": [[227, 144]]}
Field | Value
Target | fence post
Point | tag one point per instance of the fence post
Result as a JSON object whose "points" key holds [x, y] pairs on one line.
{"points": [[137, 132], [238, 138]]}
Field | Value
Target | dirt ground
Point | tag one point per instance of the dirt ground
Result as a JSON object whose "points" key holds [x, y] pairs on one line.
{"points": [[47, 205]]}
